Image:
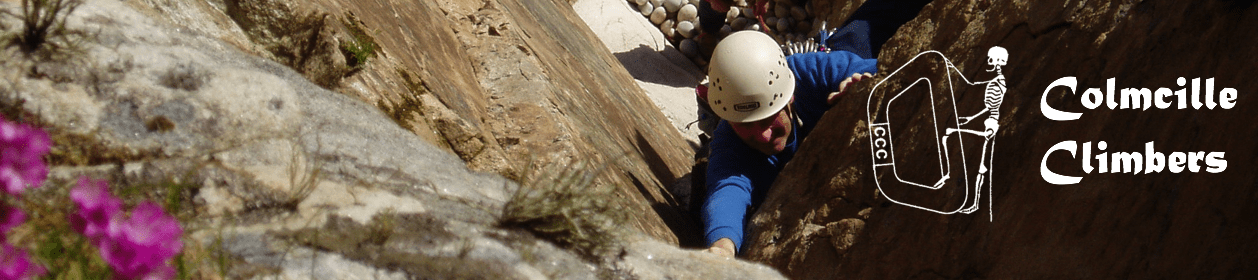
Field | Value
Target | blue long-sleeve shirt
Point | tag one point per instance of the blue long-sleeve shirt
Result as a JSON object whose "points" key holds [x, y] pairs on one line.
{"points": [[738, 176]]}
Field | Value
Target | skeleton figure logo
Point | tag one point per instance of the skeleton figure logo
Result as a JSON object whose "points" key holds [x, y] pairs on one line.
{"points": [[897, 168]]}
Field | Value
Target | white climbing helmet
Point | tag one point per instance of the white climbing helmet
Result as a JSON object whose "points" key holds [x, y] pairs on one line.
{"points": [[749, 77]]}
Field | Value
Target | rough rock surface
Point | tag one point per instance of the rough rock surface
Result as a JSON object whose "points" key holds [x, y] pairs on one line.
{"points": [[666, 75], [656, 64], [531, 83], [301, 182], [506, 85], [826, 218]]}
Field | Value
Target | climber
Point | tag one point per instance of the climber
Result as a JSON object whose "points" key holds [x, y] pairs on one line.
{"points": [[769, 102]]}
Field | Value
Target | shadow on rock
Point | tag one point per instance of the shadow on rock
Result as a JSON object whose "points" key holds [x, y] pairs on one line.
{"points": [[648, 65]]}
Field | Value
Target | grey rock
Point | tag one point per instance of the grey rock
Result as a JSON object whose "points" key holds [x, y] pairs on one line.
{"points": [[294, 179]]}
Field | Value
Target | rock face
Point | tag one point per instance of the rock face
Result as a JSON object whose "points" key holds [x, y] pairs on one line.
{"points": [[506, 85], [649, 57], [827, 218], [539, 88], [298, 181]]}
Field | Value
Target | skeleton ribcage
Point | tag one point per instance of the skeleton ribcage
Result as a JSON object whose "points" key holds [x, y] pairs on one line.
{"points": [[994, 95]]}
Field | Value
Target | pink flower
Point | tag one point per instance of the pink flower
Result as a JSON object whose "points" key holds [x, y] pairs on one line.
{"points": [[9, 217], [15, 265], [142, 245], [97, 208], [21, 150]]}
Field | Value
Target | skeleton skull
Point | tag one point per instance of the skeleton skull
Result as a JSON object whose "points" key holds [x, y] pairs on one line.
{"points": [[997, 56]]}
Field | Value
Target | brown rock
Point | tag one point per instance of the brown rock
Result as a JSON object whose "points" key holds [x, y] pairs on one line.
{"points": [[519, 84], [844, 232], [1110, 225]]}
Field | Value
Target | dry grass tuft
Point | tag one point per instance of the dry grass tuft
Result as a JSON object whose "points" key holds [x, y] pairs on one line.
{"points": [[561, 203], [44, 32]]}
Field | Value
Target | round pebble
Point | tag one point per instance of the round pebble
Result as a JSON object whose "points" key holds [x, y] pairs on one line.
{"points": [[688, 13], [739, 23], [784, 25], [798, 13], [679, 20], [658, 15], [731, 15], [672, 5], [646, 8], [689, 48], [667, 28], [686, 29]]}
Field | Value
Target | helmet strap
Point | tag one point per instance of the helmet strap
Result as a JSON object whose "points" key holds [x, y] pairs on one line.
{"points": [[790, 111]]}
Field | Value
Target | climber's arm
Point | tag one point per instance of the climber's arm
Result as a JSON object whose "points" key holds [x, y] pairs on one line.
{"points": [[822, 77], [731, 167]]}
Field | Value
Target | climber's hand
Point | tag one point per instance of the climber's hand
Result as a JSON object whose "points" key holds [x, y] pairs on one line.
{"points": [[723, 247], [857, 77]]}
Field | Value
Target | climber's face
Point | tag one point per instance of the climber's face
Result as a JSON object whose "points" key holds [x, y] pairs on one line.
{"points": [[768, 135]]}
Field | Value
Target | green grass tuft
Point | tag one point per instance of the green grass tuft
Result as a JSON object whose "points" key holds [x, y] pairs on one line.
{"points": [[361, 47]]}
